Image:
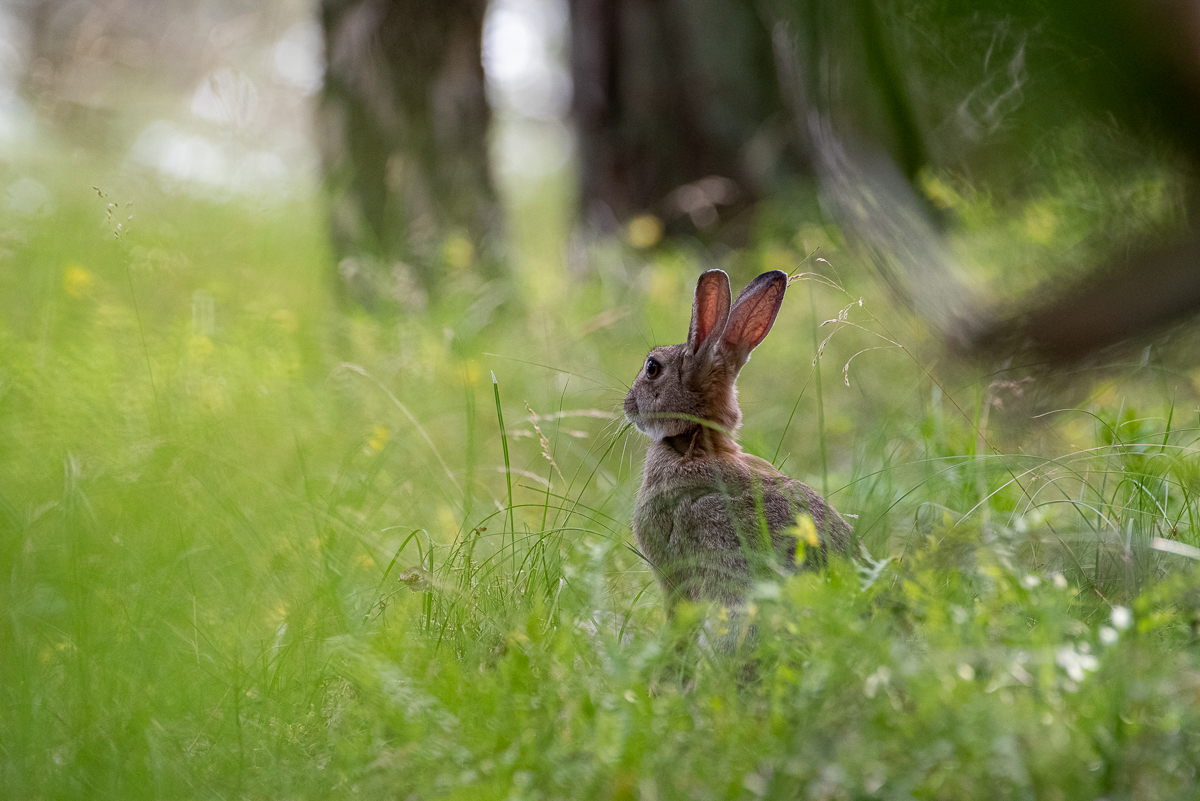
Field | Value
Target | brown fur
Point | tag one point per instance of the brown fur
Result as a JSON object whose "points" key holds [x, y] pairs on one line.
{"points": [[710, 517]]}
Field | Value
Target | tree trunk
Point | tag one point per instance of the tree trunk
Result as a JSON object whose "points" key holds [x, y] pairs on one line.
{"points": [[669, 93], [403, 124]]}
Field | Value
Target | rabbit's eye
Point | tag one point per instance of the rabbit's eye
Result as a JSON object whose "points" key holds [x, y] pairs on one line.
{"points": [[653, 368]]}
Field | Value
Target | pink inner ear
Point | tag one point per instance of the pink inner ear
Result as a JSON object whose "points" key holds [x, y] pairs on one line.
{"points": [[711, 308], [706, 302], [753, 317]]}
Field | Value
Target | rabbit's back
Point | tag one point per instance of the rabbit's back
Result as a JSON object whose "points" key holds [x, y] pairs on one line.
{"points": [[703, 524]]}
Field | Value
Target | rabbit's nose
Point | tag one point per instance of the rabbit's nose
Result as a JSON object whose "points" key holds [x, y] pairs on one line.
{"points": [[631, 407]]}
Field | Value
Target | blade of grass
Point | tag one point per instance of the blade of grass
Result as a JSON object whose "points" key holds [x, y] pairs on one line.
{"points": [[812, 303], [795, 406], [137, 315], [472, 447], [507, 466]]}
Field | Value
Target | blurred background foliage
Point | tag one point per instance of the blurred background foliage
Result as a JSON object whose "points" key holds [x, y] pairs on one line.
{"points": [[315, 322]]}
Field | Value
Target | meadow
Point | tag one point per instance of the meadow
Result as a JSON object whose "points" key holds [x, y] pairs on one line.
{"points": [[256, 544]]}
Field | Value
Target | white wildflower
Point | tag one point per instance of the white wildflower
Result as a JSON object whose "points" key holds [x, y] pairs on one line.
{"points": [[877, 679], [756, 783], [1075, 663], [1121, 617]]}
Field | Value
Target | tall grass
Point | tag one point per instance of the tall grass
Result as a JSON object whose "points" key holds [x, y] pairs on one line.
{"points": [[303, 561]]}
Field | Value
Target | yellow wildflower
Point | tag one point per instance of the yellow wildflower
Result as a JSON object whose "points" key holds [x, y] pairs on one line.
{"points": [[200, 348], [77, 281], [379, 438], [458, 252], [645, 231]]}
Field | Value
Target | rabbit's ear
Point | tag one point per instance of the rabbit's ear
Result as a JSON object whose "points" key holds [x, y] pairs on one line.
{"points": [[753, 315], [710, 310]]}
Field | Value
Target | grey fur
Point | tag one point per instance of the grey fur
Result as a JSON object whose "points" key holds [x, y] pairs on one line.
{"points": [[710, 517]]}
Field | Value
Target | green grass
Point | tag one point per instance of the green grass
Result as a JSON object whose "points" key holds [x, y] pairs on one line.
{"points": [[254, 547]]}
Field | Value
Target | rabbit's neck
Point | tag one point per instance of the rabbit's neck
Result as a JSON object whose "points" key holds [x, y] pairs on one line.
{"points": [[701, 441]]}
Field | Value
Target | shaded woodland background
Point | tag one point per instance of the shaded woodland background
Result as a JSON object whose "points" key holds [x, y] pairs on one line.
{"points": [[682, 115]]}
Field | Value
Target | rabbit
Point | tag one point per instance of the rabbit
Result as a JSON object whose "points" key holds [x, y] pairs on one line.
{"points": [[709, 517]]}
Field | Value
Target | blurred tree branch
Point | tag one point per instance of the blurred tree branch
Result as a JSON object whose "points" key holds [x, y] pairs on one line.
{"points": [[1132, 64]]}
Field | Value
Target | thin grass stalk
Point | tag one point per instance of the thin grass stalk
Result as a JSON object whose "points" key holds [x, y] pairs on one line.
{"points": [[795, 406], [427, 600], [137, 315], [472, 448], [812, 304], [507, 469], [981, 448]]}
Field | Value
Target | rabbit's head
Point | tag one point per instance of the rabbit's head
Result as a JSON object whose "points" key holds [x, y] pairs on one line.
{"points": [[680, 385]]}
